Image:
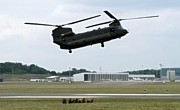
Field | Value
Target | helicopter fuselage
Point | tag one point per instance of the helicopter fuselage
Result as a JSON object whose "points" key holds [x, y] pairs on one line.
{"points": [[69, 40]]}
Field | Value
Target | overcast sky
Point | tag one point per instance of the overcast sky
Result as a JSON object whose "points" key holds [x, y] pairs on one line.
{"points": [[150, 42]]}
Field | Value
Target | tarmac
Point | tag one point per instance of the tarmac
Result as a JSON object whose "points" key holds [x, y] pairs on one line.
{"points": [[61, 96]]}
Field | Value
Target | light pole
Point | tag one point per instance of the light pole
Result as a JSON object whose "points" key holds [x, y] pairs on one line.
{"points": [[161, 65], [100, 68], [160, 70], [69, 75]]}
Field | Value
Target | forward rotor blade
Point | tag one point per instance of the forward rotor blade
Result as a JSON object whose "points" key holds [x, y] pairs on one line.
{"points": [[41, 24], [62, 24], [98, 24], [81, 20], [110, 15], [139, 18]]}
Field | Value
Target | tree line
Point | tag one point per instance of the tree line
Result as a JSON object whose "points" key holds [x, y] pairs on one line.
{"points": [[19, 68]]}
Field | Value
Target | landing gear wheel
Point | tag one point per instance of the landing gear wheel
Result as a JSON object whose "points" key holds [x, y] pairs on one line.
{"points": [[102, 44], [70, 51]]}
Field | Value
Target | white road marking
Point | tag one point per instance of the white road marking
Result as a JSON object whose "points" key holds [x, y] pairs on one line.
{"points": [[54, 96]]}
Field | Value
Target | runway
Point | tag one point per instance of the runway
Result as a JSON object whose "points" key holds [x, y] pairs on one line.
{"points": [[60, 96]]}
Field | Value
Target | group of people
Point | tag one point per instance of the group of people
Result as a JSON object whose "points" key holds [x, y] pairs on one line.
{"points": [[69, 101]]}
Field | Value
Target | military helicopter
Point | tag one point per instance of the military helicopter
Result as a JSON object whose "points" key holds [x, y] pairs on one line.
{"points": [[67, 39]]}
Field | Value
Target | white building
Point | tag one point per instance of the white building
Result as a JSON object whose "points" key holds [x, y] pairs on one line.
{"points": [[141, 77], [66, 79], [171, 74], [52, 79], [37, 80], [101, 77]]}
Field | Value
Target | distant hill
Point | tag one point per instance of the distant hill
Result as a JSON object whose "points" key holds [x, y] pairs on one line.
{"points": [[19, 68]]}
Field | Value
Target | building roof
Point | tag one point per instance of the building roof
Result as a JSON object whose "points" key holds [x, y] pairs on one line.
{"points": [[51, 77], [102, 73], [145, 76]]}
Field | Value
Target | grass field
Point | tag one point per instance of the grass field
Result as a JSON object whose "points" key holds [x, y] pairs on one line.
{"points": [[56, 87], [99, 104]]}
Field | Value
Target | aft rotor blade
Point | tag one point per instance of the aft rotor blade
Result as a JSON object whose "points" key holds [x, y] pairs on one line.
{"points": [[110, 15], [81, 20], [139, 18], [41, 24], [122, 20], [98, 24]]}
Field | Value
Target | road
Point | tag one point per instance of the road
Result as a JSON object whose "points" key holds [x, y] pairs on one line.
{"points": [[60, 96]]}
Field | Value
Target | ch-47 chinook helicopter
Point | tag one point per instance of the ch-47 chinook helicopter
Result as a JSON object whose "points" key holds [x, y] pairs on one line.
{"points": [[67, 39]]}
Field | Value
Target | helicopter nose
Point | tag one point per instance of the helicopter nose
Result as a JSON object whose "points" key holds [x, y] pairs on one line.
{"points": [[125, 31]]}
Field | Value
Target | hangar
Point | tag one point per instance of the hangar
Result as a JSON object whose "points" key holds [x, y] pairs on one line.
{"points": [[170, 74], [101, 77]]}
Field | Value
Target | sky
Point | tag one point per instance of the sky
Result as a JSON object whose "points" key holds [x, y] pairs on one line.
{"points": [[149, 43]]}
